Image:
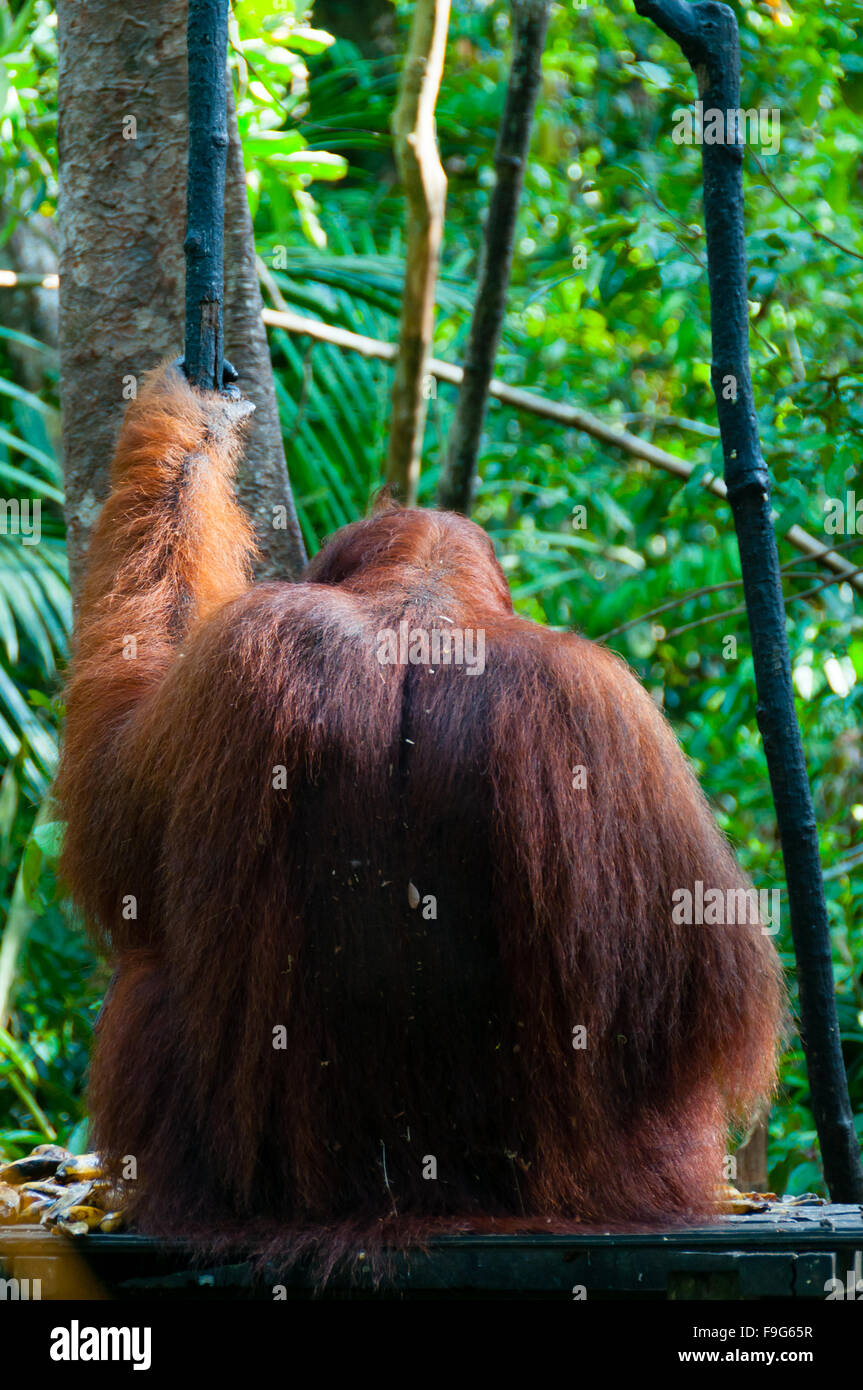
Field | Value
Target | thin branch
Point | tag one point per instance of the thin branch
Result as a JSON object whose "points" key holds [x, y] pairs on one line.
{"points": [[530, 22], [270, 284], [669, 422], [822, 236], [13, 279], [424, 182], [570, 416], [692, 594], [732, 612], [845, 866], [678, 602]]}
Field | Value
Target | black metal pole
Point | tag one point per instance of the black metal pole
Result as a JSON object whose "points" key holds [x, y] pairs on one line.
{"points": [[707, 34], [207, 44]]}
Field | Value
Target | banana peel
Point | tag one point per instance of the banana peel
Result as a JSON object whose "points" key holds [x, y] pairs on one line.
{"points": [[61, 1191], [80, 1167]]}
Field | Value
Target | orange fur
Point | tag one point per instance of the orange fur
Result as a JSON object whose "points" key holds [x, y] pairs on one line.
{"points": [[262, 906]]}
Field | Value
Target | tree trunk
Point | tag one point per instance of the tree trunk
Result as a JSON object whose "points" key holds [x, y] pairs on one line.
{"points": [[262, 480], [424, 183], [458, 476], [122, 147], [751, 1158]]}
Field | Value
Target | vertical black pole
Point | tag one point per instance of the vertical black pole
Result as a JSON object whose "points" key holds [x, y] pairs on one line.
{"points": [[207, 43], [707, 34]]}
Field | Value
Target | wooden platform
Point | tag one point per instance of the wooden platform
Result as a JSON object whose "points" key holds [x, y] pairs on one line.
{"points": [[787, 1252]]}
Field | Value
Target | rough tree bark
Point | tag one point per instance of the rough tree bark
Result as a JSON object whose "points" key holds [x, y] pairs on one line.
{"points": [[262, 481], [122, 147], [707, 35], [424, 182], [529, 22]]}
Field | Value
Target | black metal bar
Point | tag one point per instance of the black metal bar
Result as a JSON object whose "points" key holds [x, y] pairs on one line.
{"points": [[207, 43], [787, 1252], [707, 34]]}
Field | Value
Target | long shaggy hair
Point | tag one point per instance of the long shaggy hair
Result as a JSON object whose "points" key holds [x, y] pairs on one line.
{"points": [[361, 909]]}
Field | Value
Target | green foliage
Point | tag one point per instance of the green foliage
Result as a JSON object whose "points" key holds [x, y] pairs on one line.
{"points": [[608, 310], [272, 82]]}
